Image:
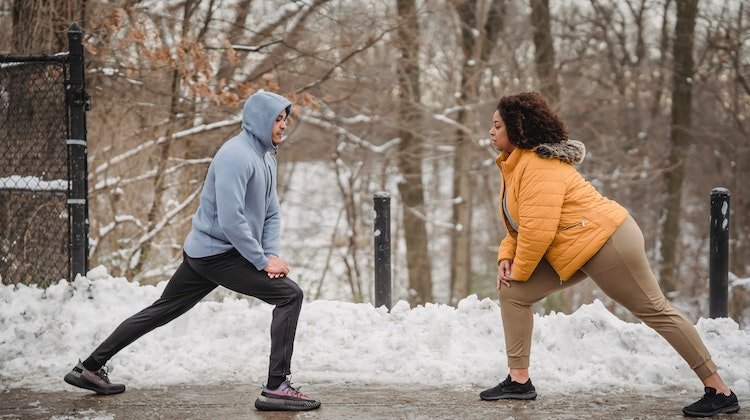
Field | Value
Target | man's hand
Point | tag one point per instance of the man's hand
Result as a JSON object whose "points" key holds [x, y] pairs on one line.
{"points": [[503, 273], [276, 267]]}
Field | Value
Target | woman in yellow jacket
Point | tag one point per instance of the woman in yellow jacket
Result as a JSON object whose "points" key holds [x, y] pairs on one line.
{"points": [[561, 231]]}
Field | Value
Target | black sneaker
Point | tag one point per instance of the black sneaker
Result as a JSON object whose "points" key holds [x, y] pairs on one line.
{"points": [[510, 390], [712, 403], [94, 381], [285, 398]]}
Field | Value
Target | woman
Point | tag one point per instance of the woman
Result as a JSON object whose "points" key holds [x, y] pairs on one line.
{"points": [[561, 231]]}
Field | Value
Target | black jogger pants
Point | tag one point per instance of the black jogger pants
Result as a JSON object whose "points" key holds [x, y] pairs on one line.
{"points": [[193, 280]]}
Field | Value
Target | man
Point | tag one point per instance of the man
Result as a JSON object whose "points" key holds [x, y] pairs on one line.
{"points": [[234, 242]]}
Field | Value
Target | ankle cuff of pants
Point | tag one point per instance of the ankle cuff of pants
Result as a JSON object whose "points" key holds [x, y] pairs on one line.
{"points": [[705, 369], [279, 373], [518, 362]]}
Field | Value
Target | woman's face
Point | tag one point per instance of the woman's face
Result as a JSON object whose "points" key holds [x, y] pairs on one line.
{"points": [[499, 136]]}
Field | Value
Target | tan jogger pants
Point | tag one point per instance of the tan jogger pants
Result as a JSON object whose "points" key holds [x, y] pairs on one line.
{"points": [[621, 270]]}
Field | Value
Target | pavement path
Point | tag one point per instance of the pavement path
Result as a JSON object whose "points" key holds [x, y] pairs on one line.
{"points": [[349, 401]]}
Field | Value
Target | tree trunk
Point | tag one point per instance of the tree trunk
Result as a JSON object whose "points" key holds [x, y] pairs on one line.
{"points": [[739, 257], [462, 215], [410, 156], [476, 51], [462, 188], [664, 45], [544, 51], [227, 66], [680, 135]]}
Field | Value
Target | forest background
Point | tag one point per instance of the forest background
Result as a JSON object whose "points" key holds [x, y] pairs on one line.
{"points": [[397, 96]]}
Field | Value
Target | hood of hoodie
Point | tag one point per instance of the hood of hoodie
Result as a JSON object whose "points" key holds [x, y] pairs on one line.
{"points": [[571, 151], [259, 114]]}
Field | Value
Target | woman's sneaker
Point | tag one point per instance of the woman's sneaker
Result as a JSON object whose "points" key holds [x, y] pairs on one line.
{"points": [[712, 403], [94, 381], [510, 390], [284, 398]]}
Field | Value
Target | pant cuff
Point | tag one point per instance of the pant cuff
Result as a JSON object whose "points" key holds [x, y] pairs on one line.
{"points": [[279, 373], [705, 369], [518, 362]]}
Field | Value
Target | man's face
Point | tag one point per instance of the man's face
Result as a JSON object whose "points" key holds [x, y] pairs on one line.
{"points": [[277, 131]]}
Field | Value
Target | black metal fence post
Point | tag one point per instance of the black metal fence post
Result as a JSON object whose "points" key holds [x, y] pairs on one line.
{"points": [[382, 231], [719, 254], [78, 208]]}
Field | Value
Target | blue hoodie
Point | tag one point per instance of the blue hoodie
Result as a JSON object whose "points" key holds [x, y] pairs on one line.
{"points": [[239, 207]]}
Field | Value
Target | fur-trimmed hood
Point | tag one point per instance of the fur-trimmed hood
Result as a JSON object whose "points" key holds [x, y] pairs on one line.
{"points": [[571, 151]]}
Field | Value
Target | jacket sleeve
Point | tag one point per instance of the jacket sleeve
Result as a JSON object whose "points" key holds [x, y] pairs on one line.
{"points": [[507, 249], [540, 200], [272, 223], [233, 172]]}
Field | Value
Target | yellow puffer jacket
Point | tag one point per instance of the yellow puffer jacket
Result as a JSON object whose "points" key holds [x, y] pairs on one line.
{"points": [[554, 212]]}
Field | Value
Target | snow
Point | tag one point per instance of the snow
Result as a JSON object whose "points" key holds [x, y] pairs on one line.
{"points": [[33, 183], [44, 331]]}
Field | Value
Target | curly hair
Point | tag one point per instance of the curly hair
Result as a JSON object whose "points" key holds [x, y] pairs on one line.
{"points": [[529, 120]]}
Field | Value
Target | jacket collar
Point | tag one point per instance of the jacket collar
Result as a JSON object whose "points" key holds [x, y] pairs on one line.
{"points": [[508, 161], [571, 152]]}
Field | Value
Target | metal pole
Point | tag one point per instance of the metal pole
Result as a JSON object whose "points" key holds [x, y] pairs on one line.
{"points": [[77, 101], [382, 231], [719, 254]]}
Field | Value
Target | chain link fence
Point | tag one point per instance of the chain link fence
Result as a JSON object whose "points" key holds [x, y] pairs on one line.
{"points": [[43, 211], [33, 173]]}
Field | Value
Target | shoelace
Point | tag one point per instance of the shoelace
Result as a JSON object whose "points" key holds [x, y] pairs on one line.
{"points": [[711, 398], [295, 391], [102, 373]]}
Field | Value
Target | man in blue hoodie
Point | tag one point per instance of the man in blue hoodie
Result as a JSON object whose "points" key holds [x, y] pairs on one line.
{"points": [[234, 243]]}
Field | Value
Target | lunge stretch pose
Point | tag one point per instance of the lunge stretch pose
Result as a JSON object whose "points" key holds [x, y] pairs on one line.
{"points": [[561, 231], [234, 242]]}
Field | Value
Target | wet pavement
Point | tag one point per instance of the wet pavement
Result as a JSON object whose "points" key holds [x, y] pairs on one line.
{"points": [[351, 401]]}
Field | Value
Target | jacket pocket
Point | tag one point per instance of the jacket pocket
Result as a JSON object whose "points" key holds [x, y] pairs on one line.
{"points": [[581, 223]]}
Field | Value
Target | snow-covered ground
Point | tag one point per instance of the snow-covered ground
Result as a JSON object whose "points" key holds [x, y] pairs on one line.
{"points": [[43, 333]]}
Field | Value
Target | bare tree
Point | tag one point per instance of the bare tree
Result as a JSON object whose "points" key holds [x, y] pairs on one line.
{"points": [[682, 78], [411, 153], [544, 50], [41, 26], [727, 75], [143, 248], [228, 60], [477, 38]]}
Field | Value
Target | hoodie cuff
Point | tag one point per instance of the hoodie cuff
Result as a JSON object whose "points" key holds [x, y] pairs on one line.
{"points": [[261, 263]]}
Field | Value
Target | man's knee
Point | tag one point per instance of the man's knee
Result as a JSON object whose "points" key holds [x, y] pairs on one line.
{"points": [[295, 292]]}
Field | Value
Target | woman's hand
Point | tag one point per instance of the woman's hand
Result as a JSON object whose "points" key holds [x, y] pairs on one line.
{"points": [[503, 273]]}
